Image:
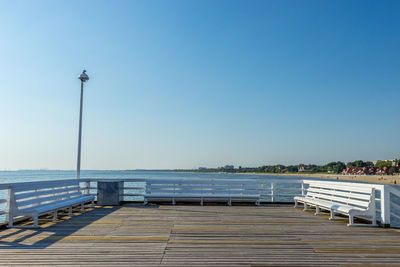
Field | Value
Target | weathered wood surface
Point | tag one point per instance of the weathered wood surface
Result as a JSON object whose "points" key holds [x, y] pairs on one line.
{"points": [[185, 235]]}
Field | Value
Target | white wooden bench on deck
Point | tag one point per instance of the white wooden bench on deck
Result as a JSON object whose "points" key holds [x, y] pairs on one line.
{"points": [[42, 198], [202, 190], [353, 200]]}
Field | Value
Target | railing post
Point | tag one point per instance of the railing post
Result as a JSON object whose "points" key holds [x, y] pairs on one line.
{"points": [[272, 192], [385, 205], [8, 207], [86, 186]]}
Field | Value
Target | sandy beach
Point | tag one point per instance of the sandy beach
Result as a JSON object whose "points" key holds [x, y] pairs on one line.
{"points": [[377, 179]]}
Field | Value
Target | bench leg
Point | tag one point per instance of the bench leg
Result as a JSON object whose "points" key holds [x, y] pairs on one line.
{"points": [[55, 215], [70, 211], [36, 221], [201, 202], [332, 215], [305, 207], [351, 220], [317, 211], [374, 221], [82, 207], [92, 204], [173, 201], [145, 202], [10, 221], [230, 202], [296, 204]]}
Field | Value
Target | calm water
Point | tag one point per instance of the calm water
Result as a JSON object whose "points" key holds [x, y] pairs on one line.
{"points": [[40, 175]]}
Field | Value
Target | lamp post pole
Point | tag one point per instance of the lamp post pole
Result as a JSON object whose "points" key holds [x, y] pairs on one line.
{"points": [[83, 77]]}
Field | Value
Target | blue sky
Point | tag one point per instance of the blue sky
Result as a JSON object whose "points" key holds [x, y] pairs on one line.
{"points": [[183, 84]]}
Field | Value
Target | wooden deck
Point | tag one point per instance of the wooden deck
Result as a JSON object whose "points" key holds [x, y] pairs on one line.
{"points": [[194, 235]]}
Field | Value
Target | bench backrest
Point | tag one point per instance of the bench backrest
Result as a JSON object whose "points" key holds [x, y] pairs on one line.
{"points": [[342, 193], [33, 194], [203, 188]]}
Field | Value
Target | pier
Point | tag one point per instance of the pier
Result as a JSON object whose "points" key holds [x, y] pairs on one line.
{"points": [[190, 235], [269, 231]]}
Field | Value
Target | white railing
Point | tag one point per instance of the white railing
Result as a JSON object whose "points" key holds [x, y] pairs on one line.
{"points": [[395, 203], [271, 191], [275, 191]]}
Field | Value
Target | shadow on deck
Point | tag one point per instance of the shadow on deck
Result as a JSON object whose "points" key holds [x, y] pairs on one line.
{"points": [[50, 231]]}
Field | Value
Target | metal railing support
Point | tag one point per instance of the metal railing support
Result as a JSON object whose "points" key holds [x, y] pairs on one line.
{"points": [[272, 192], [86, 186], [9, 193], [385, 205]]}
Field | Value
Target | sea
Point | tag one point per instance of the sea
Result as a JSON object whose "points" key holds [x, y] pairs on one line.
{"points": [[42, 175]]}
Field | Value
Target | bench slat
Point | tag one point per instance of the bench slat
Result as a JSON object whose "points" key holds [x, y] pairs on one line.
{"points": [[340, 200], [58, 204], [30, 186], [202, 189], [46, 192], [203, 181], [205, 191], [200, 196], [354, 187], [189, 186], [46, 199], [340, 193]]}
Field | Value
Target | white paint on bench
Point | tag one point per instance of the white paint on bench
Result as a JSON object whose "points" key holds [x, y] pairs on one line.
{"points": [[352, 199], [44, 198]]}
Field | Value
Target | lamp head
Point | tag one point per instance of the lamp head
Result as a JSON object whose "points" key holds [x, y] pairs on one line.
{"points": [[83, 76]]}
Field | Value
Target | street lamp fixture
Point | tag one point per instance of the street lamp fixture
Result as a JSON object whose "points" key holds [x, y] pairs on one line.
{"points": [[83, 77]]}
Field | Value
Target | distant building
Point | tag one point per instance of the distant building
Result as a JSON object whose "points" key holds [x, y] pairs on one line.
{"points": [[229, 167], [202, 168], [304, 168]]}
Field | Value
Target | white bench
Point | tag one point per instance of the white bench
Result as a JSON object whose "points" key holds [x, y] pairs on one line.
{"points": [[202, 190], [354, 200], [42, 198]]}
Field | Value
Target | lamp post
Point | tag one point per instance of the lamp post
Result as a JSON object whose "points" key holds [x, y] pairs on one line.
{"points": [[83, 77]]}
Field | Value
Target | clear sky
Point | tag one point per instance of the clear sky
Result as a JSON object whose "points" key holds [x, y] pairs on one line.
{"points": [[183, 84]]}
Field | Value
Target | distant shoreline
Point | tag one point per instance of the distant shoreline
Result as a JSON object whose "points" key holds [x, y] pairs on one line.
{"points": [[377, 179]]}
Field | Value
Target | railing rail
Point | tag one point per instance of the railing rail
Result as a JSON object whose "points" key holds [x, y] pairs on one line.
{"points": [[271, 190]]}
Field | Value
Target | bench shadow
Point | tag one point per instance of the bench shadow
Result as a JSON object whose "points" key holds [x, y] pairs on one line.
{"points": [[50, 232]]}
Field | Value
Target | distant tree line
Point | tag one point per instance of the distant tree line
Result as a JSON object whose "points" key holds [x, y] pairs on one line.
{"points": [[335, 167]]}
